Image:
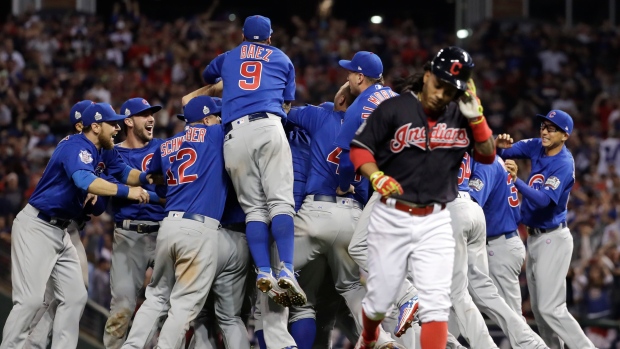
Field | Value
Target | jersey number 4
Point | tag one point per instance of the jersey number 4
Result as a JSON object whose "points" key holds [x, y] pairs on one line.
{"points": [[188, 156], [251, 71], [334, 158]]}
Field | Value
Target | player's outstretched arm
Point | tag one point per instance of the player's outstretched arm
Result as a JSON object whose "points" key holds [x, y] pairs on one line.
{"points": [[213, 90], [104, 188]]}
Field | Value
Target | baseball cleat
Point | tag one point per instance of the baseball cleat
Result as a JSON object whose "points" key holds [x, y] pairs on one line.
{"points": [[288, 282], [406, 316], [266, 283], [362, 344]]}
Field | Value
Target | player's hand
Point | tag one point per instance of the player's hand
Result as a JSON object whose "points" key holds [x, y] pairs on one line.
{"points": [[138, 194], [90, 198], [156, 179], [342, 193], [470, 104], [385, 185], [512, 168], [504, 141], [286, 107]]}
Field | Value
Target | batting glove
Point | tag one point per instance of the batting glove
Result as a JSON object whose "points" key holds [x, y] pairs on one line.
{"points": [[469, 103], [385, 185]]}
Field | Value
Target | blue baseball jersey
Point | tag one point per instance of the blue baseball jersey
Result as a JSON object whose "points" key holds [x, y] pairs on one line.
{"points": [[464, 173], [359, 111], [56, 194], [193, 163], [324, 126], [128, 209], [299, 141], [259, 78], [554, 175], [491, 186]]}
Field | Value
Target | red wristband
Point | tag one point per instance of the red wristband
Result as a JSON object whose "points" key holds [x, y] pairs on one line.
{"points": [[480, 129]]}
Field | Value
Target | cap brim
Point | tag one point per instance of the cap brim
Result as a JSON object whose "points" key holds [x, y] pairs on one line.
{"points": [[346, 64], [152, 109], [116, 117], [181, 117]]}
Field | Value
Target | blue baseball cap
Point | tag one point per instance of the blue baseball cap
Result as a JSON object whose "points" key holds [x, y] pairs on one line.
{"points": [[560, 119], [100, 112], [257, 28], [200, 107], [138, 105], [364, 62], [75, 115]]}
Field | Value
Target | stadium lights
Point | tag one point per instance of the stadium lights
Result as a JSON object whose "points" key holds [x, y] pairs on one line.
{"points": [[376, 19], [462, 33], [232, 17]]}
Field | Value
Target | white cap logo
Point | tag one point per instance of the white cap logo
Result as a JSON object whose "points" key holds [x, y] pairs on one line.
{"points": [[206, 110], [98, 116], [127, 112], [256, 37], [359, 68], [78, 115]]}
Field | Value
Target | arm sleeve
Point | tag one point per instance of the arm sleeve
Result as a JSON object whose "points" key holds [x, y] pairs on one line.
{"points": [[535, 197], [214, 69], [346, 170], [309, 118], [115, 165], [124, 174], [479, 184], [557, 181], [374, 131], [83, 179], [154, 165], [352, 122], [360, 156], [484, 159], [76, 159], [291, 87], [519, 150]]}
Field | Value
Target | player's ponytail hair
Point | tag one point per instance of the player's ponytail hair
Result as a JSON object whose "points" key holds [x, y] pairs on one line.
{"points": [[412, 83]]}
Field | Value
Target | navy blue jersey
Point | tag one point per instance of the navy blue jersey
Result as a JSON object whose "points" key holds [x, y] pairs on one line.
{"points": [[56, 194], [465, 173], [300, 142], [493, 189], [554, 175], [259, 78], [193, 162], [359, 111], [324, 126], [128, 209]]}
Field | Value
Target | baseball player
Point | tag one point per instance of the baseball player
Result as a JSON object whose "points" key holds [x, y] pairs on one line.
{"points": [[136, 225], [187, 242], [413, 141], [543, 211], [260, 79], [57, 199], [42, 324]]}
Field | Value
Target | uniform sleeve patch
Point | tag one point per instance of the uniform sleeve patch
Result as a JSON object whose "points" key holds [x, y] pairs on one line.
{"points": [[476, 184], [552, 182], [85, 157]]}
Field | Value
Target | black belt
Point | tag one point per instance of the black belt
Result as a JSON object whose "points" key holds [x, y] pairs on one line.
{"points": [[55, 221], [140, 228], [507, 235], [251, 117], [238, 227], [538, 231], [335, 199]]}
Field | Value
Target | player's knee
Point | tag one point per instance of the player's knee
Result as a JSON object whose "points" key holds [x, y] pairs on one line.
{"points": [[550, 312], [281, 208], [257, 214], [300, 313], [30, 303]]}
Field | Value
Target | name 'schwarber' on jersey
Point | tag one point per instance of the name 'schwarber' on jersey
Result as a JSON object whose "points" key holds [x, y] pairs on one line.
{"points": [[193, 163]]}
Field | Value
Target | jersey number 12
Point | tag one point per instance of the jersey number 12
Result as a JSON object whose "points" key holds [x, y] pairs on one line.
{"points": [[190, 157], [251, 71]]}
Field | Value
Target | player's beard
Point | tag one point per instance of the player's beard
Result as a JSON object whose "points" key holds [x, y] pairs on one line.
{"points": [[142, 134], [106, 141]]}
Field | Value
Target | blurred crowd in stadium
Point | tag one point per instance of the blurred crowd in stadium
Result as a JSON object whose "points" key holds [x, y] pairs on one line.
{"points": [[47, 63]]}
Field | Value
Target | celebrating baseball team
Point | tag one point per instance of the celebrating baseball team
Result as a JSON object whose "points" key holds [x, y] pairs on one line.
{"points": [[406, 189]]}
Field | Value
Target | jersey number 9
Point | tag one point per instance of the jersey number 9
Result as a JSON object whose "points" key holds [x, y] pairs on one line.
{"points": [[251, 71], [190, 157]]}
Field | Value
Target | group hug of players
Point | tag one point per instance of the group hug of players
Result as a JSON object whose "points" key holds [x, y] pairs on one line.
{"points": [[251, 177]]}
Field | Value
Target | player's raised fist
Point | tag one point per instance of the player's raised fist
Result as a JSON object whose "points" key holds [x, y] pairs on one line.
{"points": [[504, 141], [385, 185], [469, 103], [512, 168], [138, 194]]}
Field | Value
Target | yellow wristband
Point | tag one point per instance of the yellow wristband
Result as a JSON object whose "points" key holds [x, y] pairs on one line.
{"points": [[480, 120], [375, 175]]}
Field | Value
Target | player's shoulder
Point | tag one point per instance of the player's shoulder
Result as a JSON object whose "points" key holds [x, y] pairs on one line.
{"points": [[399, 101], [74, 142]]}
